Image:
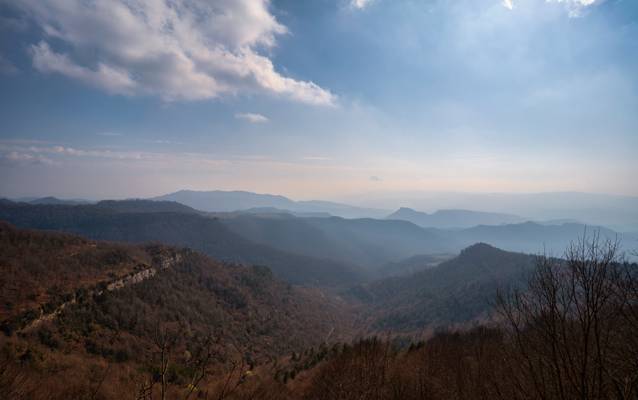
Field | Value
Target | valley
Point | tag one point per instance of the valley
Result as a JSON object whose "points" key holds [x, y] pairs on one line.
{"points": [[269, 295]]}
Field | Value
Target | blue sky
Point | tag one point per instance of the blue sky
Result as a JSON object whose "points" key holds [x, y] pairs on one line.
{"points": [[317, 99]]}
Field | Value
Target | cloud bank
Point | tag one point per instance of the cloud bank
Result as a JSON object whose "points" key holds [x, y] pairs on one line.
{"points": [[187, 50]]}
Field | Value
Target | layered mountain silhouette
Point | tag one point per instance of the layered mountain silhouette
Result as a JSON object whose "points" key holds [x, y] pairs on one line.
{"points": [[116, 221], [55, 200], [447, 219], [531, 237], [368, 243], [228, 201], [323, 251]]}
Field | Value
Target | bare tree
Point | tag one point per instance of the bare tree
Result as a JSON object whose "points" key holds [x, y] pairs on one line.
{"points": [[201, 361], [568, 326], [235, 376], [164, 340]]}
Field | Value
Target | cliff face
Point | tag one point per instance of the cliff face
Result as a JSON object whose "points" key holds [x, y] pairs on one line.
{"points": [[163, 259]]}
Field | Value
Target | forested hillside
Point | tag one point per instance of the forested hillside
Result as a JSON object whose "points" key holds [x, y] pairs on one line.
{"points": [[113, 321], [74, 307], [454, 292]]}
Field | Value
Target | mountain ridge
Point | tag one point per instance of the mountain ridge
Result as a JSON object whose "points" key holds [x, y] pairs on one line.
{"points": [[454, 218], [230, 201], [199, 232]]}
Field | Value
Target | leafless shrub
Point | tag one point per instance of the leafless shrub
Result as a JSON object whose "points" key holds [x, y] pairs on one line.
{"points": [[573, 328]]}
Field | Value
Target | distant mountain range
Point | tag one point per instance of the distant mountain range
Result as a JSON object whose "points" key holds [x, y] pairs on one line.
{"points": [[54, 200], [307, 250], [456, 210], [613, 211], [372, 243], [531, 237], [229, 201], [447, 219], [143, 221], [145, 206], [368, 243]]}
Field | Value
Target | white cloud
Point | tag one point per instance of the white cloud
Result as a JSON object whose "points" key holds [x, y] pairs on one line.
{"points": [[360, 4], [576, 7], [105, 77], [187, 50], [253, 118], [18, 158]]}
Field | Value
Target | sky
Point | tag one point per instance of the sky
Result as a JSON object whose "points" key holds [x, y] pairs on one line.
{"points": [[317, 99]]}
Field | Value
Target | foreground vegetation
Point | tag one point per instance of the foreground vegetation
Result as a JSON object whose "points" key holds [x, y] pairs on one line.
{"points": [[200, 329], [571, 334]]}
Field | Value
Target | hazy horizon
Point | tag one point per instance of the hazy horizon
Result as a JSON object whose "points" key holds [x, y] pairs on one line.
{"points": [[352, 198], [619, 213]]}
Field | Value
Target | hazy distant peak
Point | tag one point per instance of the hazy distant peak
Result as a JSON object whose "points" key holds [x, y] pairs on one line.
{"points": [[145, 206], [50, 200], [232, 201], [453, 218]]}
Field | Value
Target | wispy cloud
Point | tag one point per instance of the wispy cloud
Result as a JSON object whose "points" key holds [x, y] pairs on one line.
{"points": [[18, 158], [360, 4], [57, 154], [576, 7], [7, 142], [187, 50], [253, 118], [375, 178]]}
